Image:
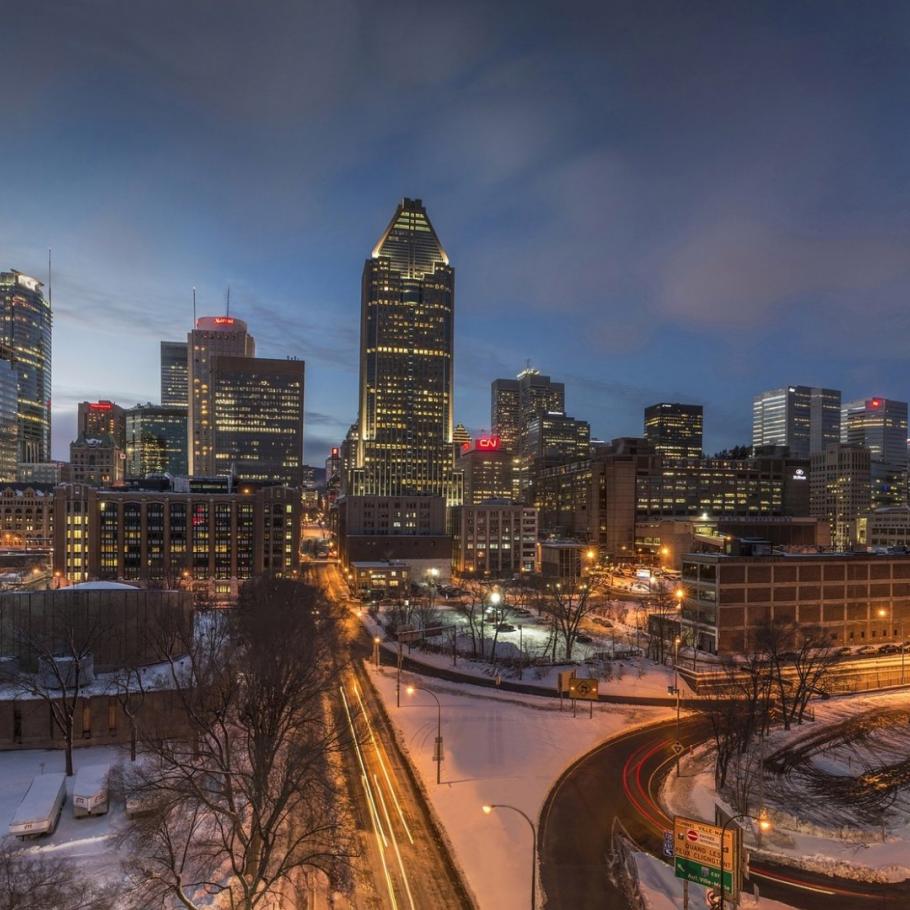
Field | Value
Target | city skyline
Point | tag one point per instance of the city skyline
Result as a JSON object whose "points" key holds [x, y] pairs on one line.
{"points": [[672, 245]]}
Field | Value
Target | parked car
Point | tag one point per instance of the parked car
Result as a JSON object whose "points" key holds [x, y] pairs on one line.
{"points": [[889, 649], [866, 650], [583, 639], [39, 811], [597, 620], [505, 627], [90, 791]]}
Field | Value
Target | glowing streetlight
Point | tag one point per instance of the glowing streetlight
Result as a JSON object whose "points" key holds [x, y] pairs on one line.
{"points": [[437, 757], [487, 810]]}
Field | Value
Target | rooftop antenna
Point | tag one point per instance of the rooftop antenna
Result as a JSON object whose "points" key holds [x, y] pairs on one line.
{"points": [[194, 308], [229, 300], [50, 281]]}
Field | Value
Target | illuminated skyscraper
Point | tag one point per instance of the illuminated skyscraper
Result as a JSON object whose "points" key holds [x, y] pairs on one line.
{"points": [[805, 419], [212, 336], [257, 413], [102, 418], [25, 342], [405, 422], [174, 374], [675, 429], [513, 402]]}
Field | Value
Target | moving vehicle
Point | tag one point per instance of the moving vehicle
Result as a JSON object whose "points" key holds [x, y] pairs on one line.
{"points": [[39, 811], [90, 792]]}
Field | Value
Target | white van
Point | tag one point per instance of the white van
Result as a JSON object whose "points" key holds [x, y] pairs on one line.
{"points": [[39, 811], [90, 791]]}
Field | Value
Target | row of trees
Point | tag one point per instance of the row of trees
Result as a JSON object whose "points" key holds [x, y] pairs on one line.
{"points": [[786, 667]]}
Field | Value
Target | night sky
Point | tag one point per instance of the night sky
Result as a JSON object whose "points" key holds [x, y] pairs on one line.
{"points": [[650, 201]]}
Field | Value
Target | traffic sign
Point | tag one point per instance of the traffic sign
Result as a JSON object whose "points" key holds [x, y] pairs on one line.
{"points": [[697, 852], [668, 844], [678, 747], [583, 689]]}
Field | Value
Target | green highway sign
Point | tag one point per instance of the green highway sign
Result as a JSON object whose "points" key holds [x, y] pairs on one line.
{"points": [[709, 876]]}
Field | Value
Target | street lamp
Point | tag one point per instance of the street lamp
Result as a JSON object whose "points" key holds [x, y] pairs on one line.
{"points": [[376, 641], [676, 642], [882, 612], [438, 755], [487, 810], [764, 824], [494, 599]]}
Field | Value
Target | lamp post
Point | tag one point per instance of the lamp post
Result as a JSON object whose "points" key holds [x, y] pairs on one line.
{"points": [[376, 641], [438, 752], [487, 810], [521, 653], [883, 613], [676, 642], [494, 599], [764, 824]]}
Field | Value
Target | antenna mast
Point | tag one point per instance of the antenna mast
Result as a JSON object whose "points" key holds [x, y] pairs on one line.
{"points": [[50, 281], [194, 308]]}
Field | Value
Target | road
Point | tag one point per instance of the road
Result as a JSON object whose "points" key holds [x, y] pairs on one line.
{"points": [[411, 866], [619, 781]]}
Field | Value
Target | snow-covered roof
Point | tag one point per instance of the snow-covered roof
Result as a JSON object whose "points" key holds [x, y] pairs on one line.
{"points": [[101, 586]]}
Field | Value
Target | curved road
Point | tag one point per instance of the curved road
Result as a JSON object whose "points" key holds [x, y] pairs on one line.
{"points": [[620, 780]]}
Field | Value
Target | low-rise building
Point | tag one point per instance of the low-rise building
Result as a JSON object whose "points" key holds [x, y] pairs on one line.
{"points": [[26, 516], [389, 578], [854, 598], [98, 461], [408, 528], [560, 558], [496, 539], [211, 542], [888, 527]]}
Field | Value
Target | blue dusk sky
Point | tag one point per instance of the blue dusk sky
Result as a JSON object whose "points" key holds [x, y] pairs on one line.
{"points": [[649, 200]]}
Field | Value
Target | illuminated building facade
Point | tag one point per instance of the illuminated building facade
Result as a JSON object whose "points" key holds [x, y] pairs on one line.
{"points": [[257, 413], [841, 490], [26, 515], [675, 430], [156, 440], [489, 471], [880, 425], [497, 539], [101, 418], [405, 425], [513, 402], [549, 439], [9, 421], [212, 336], [802, 418], [210, 541], [174, 373], [25, 342]]}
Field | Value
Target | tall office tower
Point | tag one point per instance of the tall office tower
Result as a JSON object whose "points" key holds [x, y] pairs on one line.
{"points": [[489, 470], [9, 421], [257, 414], [550, 439], [212, 336], [155, 440], [174, 372], [404, 438], [504, 413], [513, 402], [840, 490], [675, 430], [803, 418], [880, 425], [25, 342], [102, 418]]}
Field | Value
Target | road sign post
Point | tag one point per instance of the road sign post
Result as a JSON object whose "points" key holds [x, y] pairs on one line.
{"points": [[700, 857], [583, 690]]}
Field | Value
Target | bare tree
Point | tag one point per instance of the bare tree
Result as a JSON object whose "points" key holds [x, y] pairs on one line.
{"points": [[59, 647], [470, 608], [570, 603], [798, 658], [129, 686], [30, 882], [248, 802]]}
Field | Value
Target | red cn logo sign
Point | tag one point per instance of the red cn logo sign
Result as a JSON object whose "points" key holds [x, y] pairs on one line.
{"points": [[489, 443]]}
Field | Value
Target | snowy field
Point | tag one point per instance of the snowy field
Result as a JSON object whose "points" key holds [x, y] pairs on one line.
{"points": [[834, 831], [635, 676], [499, 748], [84, 840]]}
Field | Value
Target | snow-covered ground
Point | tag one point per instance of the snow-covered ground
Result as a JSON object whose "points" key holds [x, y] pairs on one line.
{"points": [[636, 676], [661, 890], [499, 748], [84, 840], [827, 833]]}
